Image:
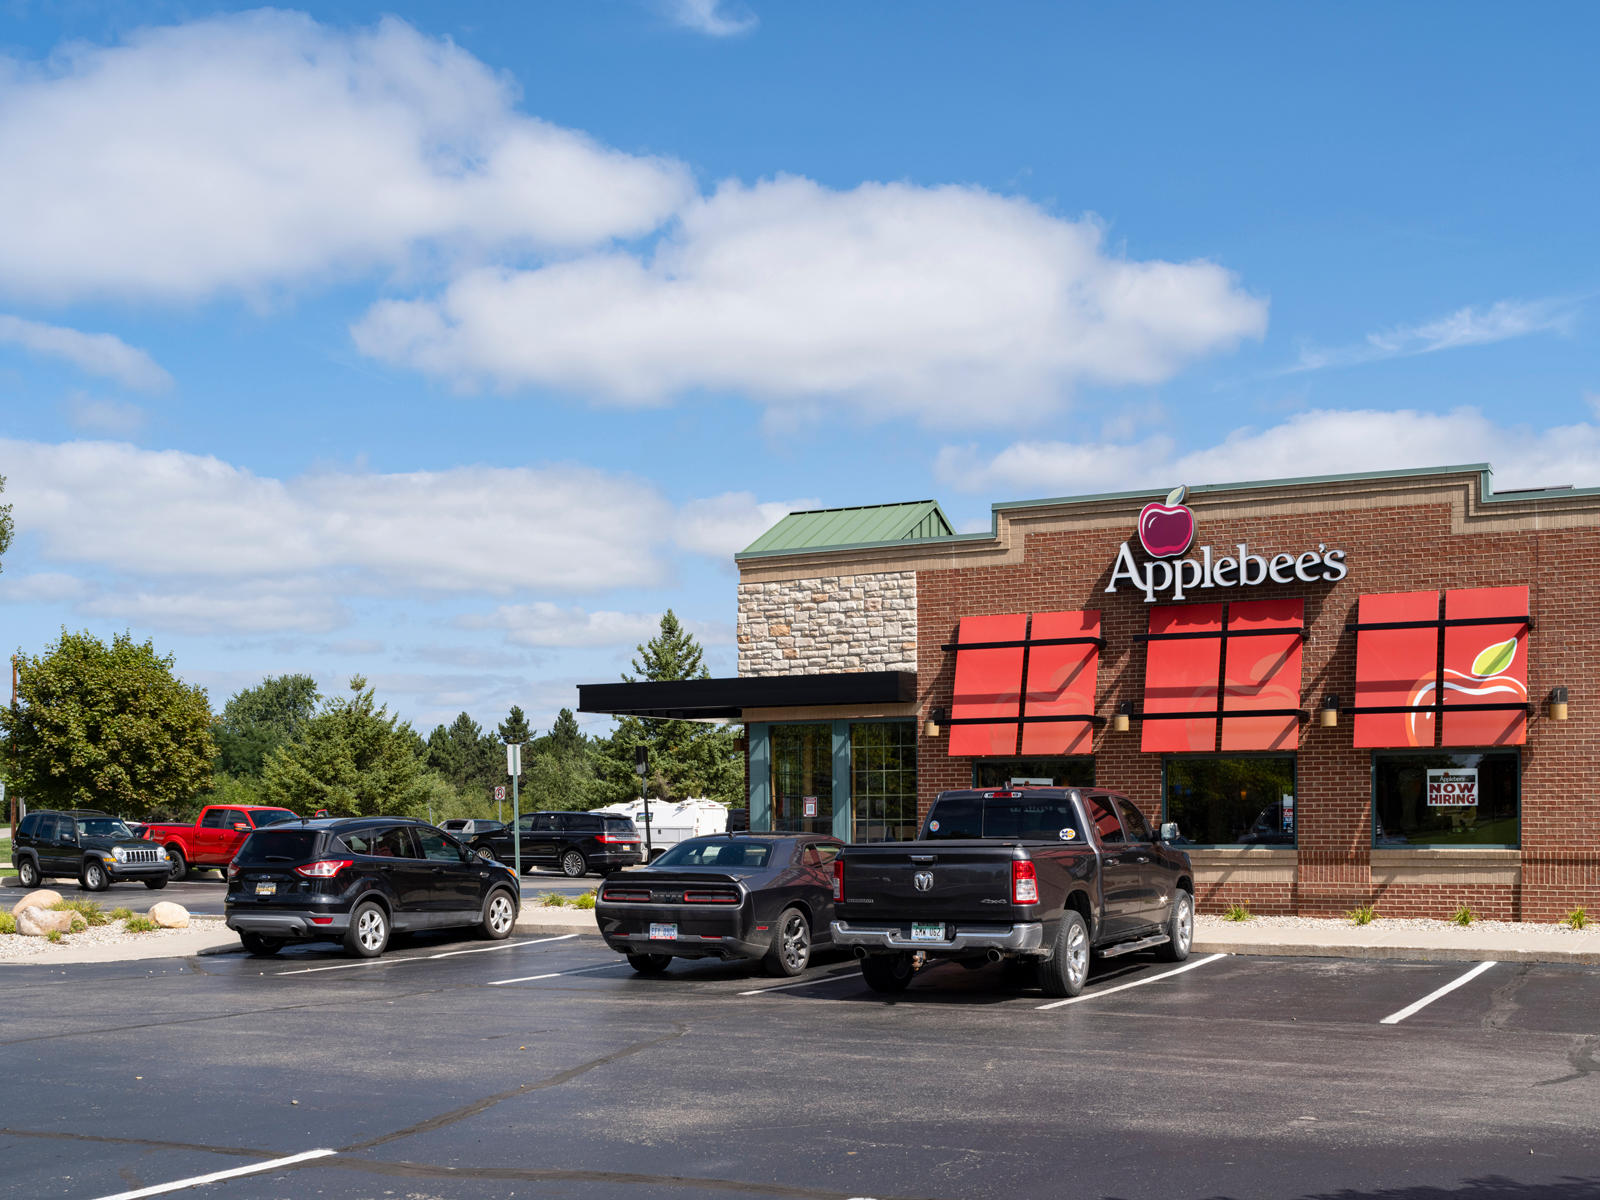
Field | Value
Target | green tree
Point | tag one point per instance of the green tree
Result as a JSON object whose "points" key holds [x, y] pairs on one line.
{"points": [[257, 720], [354, 759], [514, 729], [108, 727], [5, 522], [686, 758], [472, 761]]}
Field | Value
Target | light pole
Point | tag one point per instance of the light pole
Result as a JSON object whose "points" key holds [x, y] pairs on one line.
{"points": [[641, 766]]}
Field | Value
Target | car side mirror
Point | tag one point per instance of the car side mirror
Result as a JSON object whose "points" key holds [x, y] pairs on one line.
{"points": [[1169, 832]]}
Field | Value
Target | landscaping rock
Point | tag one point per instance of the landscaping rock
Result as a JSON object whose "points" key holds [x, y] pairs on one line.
{"points": [[169, 915], [37, 922], [42, 898]]}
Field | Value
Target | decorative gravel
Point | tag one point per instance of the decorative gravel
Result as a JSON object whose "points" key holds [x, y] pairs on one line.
{"points": [[15, 947]]}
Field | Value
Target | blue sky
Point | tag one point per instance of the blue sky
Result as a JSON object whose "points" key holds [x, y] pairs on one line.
{"points": [[451, 343]]}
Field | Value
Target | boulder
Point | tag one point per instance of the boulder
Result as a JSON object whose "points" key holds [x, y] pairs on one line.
{"points": [[36, 922], [43, 898], [169, 915]]}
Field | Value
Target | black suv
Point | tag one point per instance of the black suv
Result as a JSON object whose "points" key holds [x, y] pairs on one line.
{"points": [[577, 842], [356, 880], [97, 848]]}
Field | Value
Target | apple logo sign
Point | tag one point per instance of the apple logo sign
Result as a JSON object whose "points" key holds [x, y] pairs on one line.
{"points": [[1166, 530]]}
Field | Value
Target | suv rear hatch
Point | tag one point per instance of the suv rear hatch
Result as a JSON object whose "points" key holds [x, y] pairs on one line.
{"points": [[264, 869]]}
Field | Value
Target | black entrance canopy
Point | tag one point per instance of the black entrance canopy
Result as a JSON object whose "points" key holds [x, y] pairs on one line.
{"points": [[703, 699]]}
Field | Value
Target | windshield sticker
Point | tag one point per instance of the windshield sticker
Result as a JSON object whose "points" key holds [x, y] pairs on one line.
{"points": [[1068, 834], [934, 826]]}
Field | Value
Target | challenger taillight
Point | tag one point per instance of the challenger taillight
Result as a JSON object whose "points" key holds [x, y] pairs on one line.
{"points": [[838, 880], [623, 895], [1024, 882], [710, 898], [323, 868]]}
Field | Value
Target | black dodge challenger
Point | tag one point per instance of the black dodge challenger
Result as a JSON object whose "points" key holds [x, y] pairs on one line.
{"points": [[766, 896]]}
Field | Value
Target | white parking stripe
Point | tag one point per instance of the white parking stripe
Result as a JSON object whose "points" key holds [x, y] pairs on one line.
{"points": [[801, 983], [395, 962], [179, 1185], [1408, 1010], [610, 966], [1122, 987]]}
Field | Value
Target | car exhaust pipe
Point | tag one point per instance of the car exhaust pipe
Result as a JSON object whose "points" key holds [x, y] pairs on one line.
{"points": [[995, 956], [860, 952]]}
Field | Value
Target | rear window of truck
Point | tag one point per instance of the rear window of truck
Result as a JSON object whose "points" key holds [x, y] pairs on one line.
{"points": [[279, 845], [1024, 818]]}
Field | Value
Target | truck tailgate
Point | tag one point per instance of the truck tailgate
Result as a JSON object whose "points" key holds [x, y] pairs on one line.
{"points": [[964, 880]]}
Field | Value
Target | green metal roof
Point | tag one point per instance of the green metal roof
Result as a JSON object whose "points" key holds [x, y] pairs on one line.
{"points": [[874, 524]]}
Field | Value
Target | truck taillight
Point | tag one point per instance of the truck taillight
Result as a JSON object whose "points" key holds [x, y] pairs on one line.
{"points": [[838, 881], [324, 868], [1024, 882]]}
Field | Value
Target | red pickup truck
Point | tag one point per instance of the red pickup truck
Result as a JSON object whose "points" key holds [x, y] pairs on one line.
{"points": [[215, 837]]}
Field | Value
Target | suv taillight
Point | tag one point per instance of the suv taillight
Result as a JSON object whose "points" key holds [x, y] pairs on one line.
{"points": [[1024, 882], [323, 868], [233, 869], [838, 880], [618, 839]]}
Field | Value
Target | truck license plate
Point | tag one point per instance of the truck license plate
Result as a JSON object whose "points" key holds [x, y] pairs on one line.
{"points": [[663, 933], [266, 889], [927, 933]]}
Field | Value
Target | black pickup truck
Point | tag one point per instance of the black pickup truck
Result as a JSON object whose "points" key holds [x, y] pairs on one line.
{"points": [[1041, 875]]}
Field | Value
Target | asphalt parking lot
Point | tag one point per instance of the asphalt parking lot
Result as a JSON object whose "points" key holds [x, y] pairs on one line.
{"points": [[543, 1067]]}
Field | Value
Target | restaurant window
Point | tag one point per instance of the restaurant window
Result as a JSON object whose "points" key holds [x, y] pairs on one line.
{"points": [[1445, 798], [883, 780], [1219, 800], [1077, 771], [802, 778]]}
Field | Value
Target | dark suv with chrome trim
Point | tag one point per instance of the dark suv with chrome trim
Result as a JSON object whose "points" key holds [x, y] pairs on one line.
{"points": [[577, 842], [359, 879], [97, 848]]}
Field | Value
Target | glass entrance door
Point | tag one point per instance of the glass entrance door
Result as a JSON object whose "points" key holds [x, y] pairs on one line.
{"points": [[802, 778]]}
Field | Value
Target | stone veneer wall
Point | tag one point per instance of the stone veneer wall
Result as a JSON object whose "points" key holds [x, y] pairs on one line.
{"points": [[829, 623]]}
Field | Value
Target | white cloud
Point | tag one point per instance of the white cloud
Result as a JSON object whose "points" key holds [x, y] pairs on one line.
{"points": [[721, 526], [42, 587], [155, 513], [546, 624], [94, 353], [714, 18], [902, 300], [253, 607], [1310, 443], [248, 150], [96, 414], [1469, 326]]}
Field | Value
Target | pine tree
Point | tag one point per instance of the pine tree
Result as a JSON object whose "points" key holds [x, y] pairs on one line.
{"points": [[514, 729]]}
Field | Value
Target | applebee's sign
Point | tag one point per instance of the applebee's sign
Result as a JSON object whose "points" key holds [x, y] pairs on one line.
{"points": [[1166, 531]]}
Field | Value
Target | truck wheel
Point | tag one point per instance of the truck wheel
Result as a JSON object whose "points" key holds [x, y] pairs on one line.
{"points": [[573, 866], [94, 877], [27, 872], [369, 930], [649, 964], [499, 915], [258, 946], [178, 868], [791, 945], [1067, 969], [887, 972], [155, 885], [1180, 929]]}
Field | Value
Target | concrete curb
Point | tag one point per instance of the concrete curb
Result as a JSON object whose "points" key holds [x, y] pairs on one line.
{"points": [[1413, 953], [542, 920]]}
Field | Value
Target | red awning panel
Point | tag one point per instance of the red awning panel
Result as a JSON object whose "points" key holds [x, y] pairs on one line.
{"points": [[1262, 671], [1486, 664], [1061, 681], [988, 685], [1396, 667], [1181, 676]]}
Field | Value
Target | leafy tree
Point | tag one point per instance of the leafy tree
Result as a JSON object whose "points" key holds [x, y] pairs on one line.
{"points": [[472, 761], [515, 727], [257, 720], [686, 758], [5, 521], [108, 727], [354, 759]]}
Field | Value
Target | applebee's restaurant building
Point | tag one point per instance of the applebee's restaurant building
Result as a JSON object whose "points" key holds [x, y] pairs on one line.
{"points": [[1364, 689]]}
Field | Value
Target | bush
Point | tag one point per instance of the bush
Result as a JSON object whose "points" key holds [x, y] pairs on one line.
{"points": [[53, 936], [553, 900], [584, 901], [121, 914], [1362, 914], [1236, 912], [1577, 918], [1463, 915], [8, 923], [87, 909], [138, 924]]}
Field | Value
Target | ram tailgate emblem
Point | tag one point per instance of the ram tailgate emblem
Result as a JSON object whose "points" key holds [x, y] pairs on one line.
{"points": [[923, 881]]}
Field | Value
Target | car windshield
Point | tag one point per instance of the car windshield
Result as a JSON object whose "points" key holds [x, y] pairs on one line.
{"points": [[724, 853], [270, 816], [104, 827], [279, 845], [1030, 818]]}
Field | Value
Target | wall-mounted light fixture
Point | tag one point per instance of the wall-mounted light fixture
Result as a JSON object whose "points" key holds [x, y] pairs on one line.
{"points": [[1330, 711], [936, 718], [1119, 722], [1556, 706]]}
